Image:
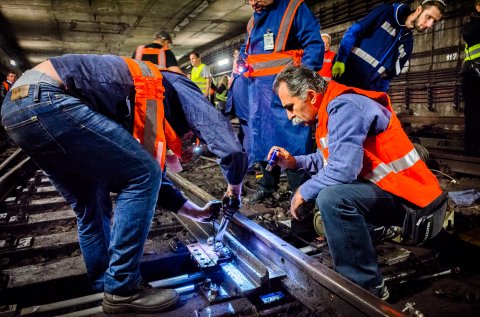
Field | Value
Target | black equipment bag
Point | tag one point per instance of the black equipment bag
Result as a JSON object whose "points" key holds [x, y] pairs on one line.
{"points": [[420, 225]]}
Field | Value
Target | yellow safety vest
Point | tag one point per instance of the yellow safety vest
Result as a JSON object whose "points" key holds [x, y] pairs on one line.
{"points": [[472, 52], [196, 77], [222, 96]]}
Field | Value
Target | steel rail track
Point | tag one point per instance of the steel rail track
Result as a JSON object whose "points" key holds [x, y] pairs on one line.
{"points": [[316, 286], [12, 170]]}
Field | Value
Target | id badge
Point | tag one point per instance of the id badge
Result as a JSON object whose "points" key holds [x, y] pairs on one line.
{"points": [[268, 43]]}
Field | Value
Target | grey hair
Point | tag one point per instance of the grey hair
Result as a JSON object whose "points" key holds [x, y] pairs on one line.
{"points": [[299, 80]]}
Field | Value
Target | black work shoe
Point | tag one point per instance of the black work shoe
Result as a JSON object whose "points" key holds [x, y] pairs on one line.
{"points": [[146, 300], [258, 197]]}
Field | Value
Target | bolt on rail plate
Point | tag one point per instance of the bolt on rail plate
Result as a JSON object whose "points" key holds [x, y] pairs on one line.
{"points": [[209, 255]]}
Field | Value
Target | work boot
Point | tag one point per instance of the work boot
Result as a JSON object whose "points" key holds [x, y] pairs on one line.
{"points": [[146, 300], [258, 197]]}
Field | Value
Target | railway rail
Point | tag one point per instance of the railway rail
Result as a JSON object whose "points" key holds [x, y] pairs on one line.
{"points": [[42, 271]]}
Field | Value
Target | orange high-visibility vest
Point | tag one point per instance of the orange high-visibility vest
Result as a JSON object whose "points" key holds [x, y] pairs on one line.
{"points": [[389, 159], [326, 71], [6, 85], [160, 52], [273, 63], [150, 127]]}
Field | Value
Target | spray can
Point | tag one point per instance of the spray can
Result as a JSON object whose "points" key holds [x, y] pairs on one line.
{"points": [[272, 161]]}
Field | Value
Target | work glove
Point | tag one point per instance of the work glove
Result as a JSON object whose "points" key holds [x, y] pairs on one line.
{"points": [[338, 69]]}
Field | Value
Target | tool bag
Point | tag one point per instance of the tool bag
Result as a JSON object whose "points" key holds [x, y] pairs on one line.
{"points": [[422, 224]]}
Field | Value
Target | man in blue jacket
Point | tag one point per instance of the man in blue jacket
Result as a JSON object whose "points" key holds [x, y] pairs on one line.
{"points": [[374, 50], [269, 46], [74, 115]]}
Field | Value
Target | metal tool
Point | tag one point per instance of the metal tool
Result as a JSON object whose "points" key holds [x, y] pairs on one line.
{"points": [[230, 206]]}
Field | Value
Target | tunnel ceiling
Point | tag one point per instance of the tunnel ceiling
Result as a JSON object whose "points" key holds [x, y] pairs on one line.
{"points": [[33, 30]]}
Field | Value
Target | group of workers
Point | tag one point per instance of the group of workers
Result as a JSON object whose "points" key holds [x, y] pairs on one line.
{"points": [[102, 124]]}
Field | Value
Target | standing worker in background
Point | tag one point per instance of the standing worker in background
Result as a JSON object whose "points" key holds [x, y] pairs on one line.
{"points": [[374, 50], [201, 75], [471, 82], [221, 94], [4, 88], [280, 32], [366, 172], [87, 150], [328, 57], [7, 84], [158, 52]]}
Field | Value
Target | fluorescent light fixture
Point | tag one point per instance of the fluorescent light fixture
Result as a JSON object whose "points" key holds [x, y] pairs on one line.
{"points": [[184, 22], [13, 63], [223, 62], [202, 6]]}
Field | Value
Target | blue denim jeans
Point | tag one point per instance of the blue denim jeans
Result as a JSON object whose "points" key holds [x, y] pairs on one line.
{"points": [[86, 156], [347, 211]]}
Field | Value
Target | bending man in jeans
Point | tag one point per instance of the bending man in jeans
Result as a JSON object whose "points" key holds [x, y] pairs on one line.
{"points": [[75, 116], [365, 172]]}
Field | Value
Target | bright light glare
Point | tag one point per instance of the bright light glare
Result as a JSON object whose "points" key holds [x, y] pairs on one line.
{"points": [[13, 63], [223, 62]]}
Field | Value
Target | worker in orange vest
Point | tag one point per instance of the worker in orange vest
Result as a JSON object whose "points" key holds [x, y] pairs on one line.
{"points": [[328, 57], [280, 32], [115, 138], [158, 52], [7, 84], [366, 172]]}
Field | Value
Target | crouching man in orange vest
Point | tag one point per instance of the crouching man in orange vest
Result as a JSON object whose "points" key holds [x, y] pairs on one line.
{"points": [[366, 172]]}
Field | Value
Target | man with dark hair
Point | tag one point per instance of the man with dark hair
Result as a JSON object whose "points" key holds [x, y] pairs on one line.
{"points": [[201, 75], [158, 52], [366, 171], [7, 84], [375, 49], [115, 139]]}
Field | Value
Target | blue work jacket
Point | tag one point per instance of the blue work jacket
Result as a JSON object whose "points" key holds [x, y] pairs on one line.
{"points": [[376, 48], [104, 83], [268, 120]]}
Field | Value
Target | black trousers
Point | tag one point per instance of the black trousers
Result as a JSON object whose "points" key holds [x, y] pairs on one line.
{"points": [[471, 96], [269, 181]]}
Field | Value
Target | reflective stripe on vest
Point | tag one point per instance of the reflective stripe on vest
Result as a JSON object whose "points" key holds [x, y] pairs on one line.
{"points": [[160, 52], [472, 52], [286, 24], [6, 85], [389, 158], [397, 166], [273, 63], [150, 127], [368, 58], [222, 96], [196, 77]]}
